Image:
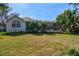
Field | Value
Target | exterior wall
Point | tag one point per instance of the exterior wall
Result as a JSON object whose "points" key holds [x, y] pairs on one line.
{"points": [[9, 27]]}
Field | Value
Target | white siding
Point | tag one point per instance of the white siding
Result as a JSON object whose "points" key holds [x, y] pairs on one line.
{"points": [[9, 25]]}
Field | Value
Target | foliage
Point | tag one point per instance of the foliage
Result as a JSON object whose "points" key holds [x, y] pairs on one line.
{"points": [[75, 5], [43, 27], [73, 52], [4, 9], [33, 26], [66, 19], [69, 19]]}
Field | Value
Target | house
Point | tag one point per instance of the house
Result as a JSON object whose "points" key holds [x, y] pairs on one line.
{"points": [[16, 24], [52, 26]]}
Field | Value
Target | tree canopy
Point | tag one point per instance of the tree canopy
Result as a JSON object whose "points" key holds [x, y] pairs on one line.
{"points": [[4, 9], [69, 19]]}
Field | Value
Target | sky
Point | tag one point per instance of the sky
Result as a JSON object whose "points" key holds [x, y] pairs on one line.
{"points": [[40, 11]]}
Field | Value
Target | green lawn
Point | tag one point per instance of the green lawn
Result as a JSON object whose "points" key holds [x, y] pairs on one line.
{"points": [[25, 44]]}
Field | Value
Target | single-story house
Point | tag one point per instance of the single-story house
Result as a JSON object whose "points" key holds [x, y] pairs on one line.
{"points": [[18, 24]]}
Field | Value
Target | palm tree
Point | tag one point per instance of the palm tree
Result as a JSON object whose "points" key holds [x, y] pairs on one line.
{"points": [[66, 19], [76, 14]]}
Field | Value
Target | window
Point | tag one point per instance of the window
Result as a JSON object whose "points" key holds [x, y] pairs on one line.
{"points": [[16, 24], [49, 27]]}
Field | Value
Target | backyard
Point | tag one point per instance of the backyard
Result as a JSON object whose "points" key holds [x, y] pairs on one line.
{"points": [[28, 44]]}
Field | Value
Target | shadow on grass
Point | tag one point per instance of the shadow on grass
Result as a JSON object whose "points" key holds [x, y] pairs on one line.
{"points": [[44, 33], [34, 33], [13, 34], [77, 34], [24, 33]]}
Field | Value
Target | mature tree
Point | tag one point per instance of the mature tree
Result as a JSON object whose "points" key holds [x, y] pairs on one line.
{"points": [[66, 19], [76, 16], [4, 9], [75, 5]]}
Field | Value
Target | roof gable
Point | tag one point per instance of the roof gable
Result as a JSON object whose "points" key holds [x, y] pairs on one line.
{"points": [[14, 16], [25, 19]]}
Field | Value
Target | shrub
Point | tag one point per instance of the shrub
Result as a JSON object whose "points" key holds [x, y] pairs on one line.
{"points": [[73, 52]]}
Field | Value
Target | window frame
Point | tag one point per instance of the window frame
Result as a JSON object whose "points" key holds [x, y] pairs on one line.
{"points": [[16, 24]]}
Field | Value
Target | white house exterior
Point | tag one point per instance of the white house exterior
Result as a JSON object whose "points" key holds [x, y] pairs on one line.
{"points": [[17, 24]]}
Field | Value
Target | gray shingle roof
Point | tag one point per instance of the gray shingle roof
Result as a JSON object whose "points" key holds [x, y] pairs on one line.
{"points": [[27, 19]]}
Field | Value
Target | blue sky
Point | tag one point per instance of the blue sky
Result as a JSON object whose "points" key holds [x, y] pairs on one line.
{"points": [[41, 11]]}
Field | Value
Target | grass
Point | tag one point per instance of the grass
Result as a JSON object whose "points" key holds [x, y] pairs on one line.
{"points": [[33, 44]]}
